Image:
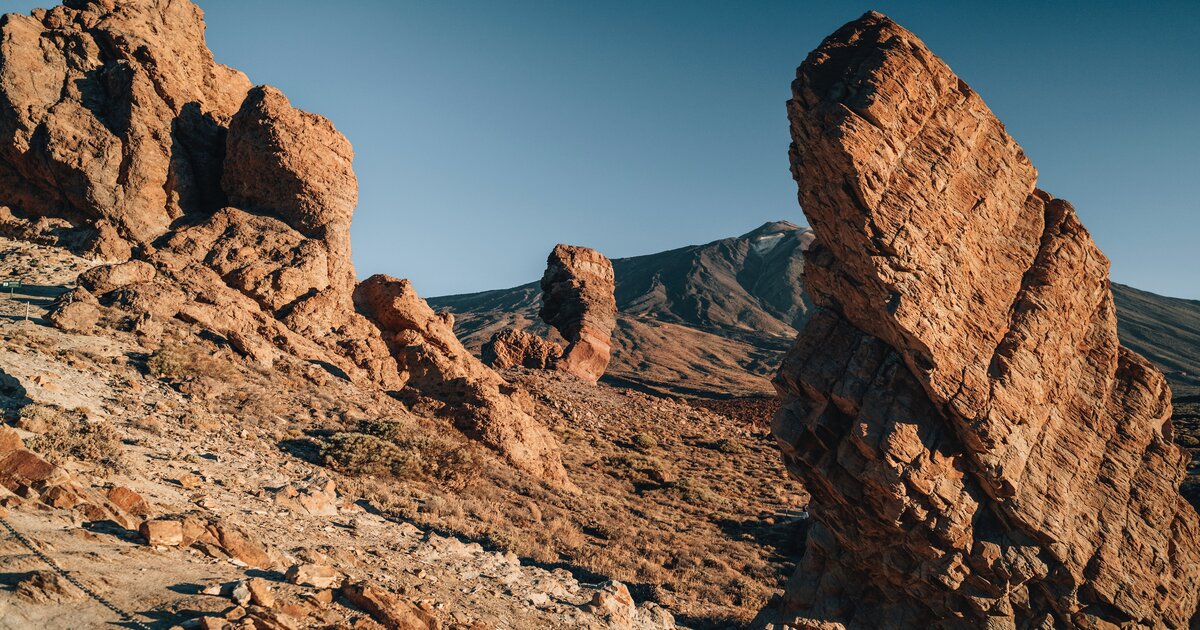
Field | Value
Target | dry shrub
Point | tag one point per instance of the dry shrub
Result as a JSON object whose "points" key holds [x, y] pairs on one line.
{"points": [[644, 441], [405, 450], [70, 435], [182, 361]]}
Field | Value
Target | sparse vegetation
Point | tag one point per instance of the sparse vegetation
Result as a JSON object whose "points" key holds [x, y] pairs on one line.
{"points": [[405, 450], [70, 434], [644, 441], [178, 362]]}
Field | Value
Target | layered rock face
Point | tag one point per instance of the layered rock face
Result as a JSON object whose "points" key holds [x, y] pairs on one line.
{"points": [[510, 348], [221, 205], [578, 301], [980, 450]]}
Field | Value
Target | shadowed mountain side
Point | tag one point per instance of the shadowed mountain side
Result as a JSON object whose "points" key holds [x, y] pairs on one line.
{"points": [[1165, 330]]}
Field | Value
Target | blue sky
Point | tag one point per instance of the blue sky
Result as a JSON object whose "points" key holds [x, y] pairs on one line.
{"points": [[485, 132]]}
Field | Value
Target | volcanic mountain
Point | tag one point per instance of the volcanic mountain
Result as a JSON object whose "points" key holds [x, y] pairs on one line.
{"points": [[708, 320], [714, 320]]}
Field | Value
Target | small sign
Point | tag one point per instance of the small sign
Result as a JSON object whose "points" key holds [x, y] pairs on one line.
{"points": [[11, 284]]}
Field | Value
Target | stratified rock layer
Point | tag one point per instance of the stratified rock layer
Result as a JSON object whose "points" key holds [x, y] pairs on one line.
{"points": [[121, 138], [578, 301], [980, 450]]}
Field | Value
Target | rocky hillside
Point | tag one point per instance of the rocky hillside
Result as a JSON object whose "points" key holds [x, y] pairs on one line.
{"points": [[716, 319], [710, 319]]}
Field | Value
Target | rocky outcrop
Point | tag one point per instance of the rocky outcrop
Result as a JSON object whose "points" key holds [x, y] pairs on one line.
{"points": [[510, 348], [112, 117], [483, 405], [979, 448], [221, 206], [578, 301]]}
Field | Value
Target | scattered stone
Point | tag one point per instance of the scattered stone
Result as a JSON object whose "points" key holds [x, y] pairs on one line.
{"points": [[162, 533], [260, 592], [240, 594], [387, 609], [316, 496], [613, 602], [48, 587], [313, 575]]}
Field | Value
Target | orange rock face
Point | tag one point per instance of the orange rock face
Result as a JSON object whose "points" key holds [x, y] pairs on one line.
{"points": [[979, 448], [578, 300], [120, 137], [483, 404], [512, 348]]}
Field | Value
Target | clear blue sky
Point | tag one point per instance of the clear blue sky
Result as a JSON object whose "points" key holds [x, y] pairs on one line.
{"points": [[485, 132]]}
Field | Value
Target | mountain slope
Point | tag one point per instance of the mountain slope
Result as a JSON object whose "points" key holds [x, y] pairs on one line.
{"points": [[714, 319], [707, 320]]}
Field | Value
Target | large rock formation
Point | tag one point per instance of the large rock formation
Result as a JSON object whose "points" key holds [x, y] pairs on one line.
{"points": [[510, 348], [577, 300], [121, 137], [483, 404], [980, 450]]}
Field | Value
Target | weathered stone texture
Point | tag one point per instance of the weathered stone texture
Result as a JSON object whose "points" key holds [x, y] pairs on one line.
{"points": [[578, 301], [980, 450], [121, 138]]}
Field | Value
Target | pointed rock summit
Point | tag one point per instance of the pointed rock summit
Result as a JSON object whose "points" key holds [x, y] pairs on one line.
{"points": [[980, 450], [578, 301]]}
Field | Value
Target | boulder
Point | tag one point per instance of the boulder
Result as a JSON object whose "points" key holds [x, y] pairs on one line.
{"points": [[978, 446], [510, 348], [162, 533], [387, 609], [578, 301]]}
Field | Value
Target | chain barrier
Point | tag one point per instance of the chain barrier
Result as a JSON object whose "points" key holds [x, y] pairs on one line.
{"points": [[70, 578]]}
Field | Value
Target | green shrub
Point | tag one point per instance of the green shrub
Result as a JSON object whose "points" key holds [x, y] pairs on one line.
{"points": [[644, 441]]}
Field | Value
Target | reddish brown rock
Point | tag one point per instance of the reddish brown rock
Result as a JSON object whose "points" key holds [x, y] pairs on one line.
{"points": [[516, 348], [578, 300], [128, 500], [162, 533], [979, 448], [112, 110], [387, 609], [296, 166], [121, 137], [436, 364]]}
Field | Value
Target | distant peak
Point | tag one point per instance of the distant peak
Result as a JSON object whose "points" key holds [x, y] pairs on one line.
{"points": [[772, 227]]}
